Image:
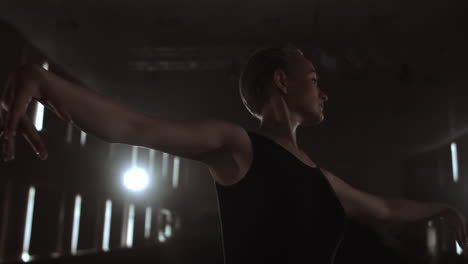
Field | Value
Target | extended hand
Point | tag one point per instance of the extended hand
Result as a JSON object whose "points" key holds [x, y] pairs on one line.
{"points": [[24, 85]]}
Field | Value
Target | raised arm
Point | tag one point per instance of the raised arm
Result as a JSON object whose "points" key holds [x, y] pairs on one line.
{"points": [[366, 207], [202, 140], [359, 205]]}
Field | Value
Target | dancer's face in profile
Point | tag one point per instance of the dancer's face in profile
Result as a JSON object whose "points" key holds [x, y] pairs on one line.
{"points": [[305, 98]]}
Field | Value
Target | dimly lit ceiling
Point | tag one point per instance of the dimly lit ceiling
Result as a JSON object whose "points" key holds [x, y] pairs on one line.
{"points": [[394, 70]]}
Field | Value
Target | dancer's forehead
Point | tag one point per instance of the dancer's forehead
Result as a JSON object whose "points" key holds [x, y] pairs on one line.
{"points": [[299, 63]]}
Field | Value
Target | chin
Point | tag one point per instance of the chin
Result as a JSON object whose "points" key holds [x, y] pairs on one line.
{"points": [[314, 120]]}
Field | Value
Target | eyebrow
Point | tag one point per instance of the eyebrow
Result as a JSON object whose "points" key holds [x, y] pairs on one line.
{"points": [[313, 71]]}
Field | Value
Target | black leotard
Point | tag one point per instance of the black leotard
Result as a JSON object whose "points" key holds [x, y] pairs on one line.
{"points": [[283, 210]]}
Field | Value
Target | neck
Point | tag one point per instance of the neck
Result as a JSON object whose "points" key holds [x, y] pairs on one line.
{"points": [[278, 124]]}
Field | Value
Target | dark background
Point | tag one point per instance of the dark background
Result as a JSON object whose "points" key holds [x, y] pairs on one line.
{"points": [[394, 72]]}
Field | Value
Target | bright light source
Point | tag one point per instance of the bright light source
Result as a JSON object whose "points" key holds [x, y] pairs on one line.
{"points": [[152, 153], [39, 116], [130, 226], [134, 156], [165, 228], [136, 179], [28, 224], [459, 249], [165, 164], [168, 230], [107, 226], [45, 65], [453, 148], [431, 238], [69, 132], [83, 138], [148, 222], [175, 172], [25, 257], [161, 237], [76, 224]]}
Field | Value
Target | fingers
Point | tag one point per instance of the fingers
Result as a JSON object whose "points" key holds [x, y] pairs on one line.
{"points": [[59, 110], [8, 93], [15, 99], [18, 110], [33, 138], [3, 109], [31, 135], [63, 114], [17, 105], [8, 147], [2, 120], [6, 101], [6, 88]]}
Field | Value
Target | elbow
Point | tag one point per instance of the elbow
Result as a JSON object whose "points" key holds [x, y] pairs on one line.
{"points": [[384, 212], [377, 213]]}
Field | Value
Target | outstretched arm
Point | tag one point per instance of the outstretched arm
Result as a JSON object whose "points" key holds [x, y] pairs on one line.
{"points": [[200, 140], [366, 207]]}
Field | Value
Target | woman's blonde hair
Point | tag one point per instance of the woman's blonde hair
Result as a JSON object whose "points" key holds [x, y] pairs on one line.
{"points": [[258, 73]]}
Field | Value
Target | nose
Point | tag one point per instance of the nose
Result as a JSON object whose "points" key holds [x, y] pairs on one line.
{"points": [[323, 96]]}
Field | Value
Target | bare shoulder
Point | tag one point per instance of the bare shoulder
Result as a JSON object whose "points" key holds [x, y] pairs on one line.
{"points": [[228, 165], [341, 187], [330, 176], [334, 181]]}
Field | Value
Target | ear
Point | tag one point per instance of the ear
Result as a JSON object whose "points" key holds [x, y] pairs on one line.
{"points": [[279, 79]]}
